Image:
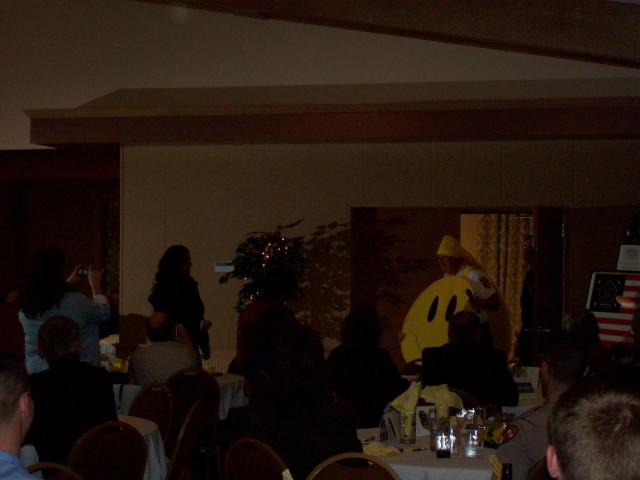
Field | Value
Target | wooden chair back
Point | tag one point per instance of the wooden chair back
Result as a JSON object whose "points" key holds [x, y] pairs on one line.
{"points": [[353, 466], [187, 444], [154, 402], [110, 451], [187, 387], [54, 471], [252, 459]]}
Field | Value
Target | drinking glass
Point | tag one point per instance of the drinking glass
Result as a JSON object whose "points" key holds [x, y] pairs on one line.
{"points": [[443, 444], [408, 427], [471, 441]]}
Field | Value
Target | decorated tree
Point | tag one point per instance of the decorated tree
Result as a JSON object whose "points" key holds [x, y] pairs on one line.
{"points": [[262, 252]]}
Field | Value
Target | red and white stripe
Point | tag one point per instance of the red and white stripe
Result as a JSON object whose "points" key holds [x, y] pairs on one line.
{"points": [[615, 327]]}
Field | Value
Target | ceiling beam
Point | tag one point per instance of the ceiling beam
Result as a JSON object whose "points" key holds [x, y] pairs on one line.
{"points": [[597, 31], [456, 121]]}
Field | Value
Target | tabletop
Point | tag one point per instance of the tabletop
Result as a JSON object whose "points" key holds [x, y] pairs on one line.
{"points": [[231, 394], [156, 468], [423, 464]]}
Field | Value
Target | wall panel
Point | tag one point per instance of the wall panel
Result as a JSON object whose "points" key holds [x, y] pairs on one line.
{"points": [[209, 197]]}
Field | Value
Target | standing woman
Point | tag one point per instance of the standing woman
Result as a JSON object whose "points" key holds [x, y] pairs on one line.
{"points": [[175, 293], [48, 294]]}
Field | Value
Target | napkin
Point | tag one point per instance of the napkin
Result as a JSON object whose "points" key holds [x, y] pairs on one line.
{"points": [[496, 467], [286, 475], [379, 450], [407, 401], [442, 398]]}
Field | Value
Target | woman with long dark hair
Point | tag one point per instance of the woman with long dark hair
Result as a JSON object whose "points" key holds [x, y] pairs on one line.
{"points": [[48, 294], [361, 371], [175, 293]]}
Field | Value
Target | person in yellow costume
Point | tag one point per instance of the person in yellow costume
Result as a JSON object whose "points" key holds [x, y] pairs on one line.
{"points": [[456, 261], [464, 287]]}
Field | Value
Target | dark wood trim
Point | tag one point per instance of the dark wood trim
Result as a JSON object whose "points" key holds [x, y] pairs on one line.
{"points": [[90, 162], [596, 118]]}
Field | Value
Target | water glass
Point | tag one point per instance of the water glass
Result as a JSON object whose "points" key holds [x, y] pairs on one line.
{"points": [[443, 444], [436, 425], [408, 427], [471, 441], [454, 434]]}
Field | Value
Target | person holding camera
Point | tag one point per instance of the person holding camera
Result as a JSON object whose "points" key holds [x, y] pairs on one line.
{"points": [[49, 294]]}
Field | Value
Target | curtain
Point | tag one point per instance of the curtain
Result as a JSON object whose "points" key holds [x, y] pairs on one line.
{"points": [[501, 238]]}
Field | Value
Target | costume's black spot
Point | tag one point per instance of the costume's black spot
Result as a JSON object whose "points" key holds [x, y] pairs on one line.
{"points": [[451, 308], [433, 309]]}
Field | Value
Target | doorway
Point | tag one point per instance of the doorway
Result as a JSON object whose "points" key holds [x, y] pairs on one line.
{"points": [[381, 236]]}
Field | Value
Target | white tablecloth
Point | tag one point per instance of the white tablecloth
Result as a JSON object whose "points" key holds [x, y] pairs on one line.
{"points": [[231, 394], [424, 465], [156, 468], [124, 395]]}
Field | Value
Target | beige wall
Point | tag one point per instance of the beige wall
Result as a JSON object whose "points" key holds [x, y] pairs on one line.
{"points": [[210, 197]]}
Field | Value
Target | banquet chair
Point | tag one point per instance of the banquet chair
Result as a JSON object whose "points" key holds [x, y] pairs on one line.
{"points": [[252, 459], [110, 451], [187, 447], [154, 402], [353, 466], [187, 386], [54, 471], [539, 471]]}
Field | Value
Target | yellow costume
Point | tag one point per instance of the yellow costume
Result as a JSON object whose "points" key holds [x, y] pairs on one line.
{"points": [[426, 323]]}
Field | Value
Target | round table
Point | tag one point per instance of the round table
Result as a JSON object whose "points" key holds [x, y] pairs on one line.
{"points": [[156, 468]]}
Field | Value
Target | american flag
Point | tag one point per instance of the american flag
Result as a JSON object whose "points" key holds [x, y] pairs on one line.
{"points": [[614, 319]]}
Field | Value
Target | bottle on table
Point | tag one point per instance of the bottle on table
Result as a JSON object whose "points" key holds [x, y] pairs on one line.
{"points": [[507, 472]]}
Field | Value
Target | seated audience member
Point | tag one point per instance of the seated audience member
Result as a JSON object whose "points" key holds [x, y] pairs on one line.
{"points": [[525, 439], [630, 368], [277, 287], [594, 433], [69, 398], [361, 371], [12, 338], [584, 324], [16, 413], [167, 353], [264, 335], [297, 414], [466, 364]]}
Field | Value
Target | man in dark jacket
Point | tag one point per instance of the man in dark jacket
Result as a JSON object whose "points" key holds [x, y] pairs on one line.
{"points": [[466, 364], [69, 398]]}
